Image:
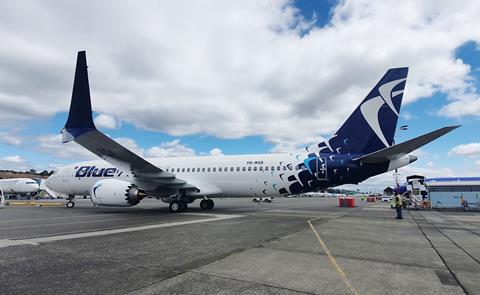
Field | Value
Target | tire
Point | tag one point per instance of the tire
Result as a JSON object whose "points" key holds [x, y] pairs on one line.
{"points": [[211, 204], [70, 204], [204, 204], [175, 207]]}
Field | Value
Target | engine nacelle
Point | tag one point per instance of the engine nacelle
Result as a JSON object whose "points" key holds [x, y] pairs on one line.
{"points": [[115, 193]]}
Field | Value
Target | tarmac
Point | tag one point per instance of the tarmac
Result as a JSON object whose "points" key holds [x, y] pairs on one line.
{"points": [[289, 246]]}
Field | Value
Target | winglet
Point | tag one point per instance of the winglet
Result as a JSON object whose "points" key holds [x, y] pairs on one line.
{"points": [[80, 118]]}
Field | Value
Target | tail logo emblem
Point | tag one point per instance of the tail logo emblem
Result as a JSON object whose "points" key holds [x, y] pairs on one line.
{"points": [[371, 107]]}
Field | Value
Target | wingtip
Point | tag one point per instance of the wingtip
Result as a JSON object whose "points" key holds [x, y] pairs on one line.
{"points": [[80, 114]]}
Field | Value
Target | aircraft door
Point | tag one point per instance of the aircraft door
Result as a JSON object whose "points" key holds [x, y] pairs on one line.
{"points": [[321, 168]]}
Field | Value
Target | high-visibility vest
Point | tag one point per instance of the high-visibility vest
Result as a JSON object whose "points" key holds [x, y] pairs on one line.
{"points": [[398, 201]]}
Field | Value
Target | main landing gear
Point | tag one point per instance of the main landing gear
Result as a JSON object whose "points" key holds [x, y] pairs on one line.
{"points": [[70, 203], [178, 206], [182, 206], [207, 204]]}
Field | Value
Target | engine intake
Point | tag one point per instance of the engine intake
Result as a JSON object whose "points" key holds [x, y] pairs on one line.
{"points": [[115, 193]]}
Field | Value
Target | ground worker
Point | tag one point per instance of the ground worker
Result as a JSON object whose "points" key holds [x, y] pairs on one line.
{"points": [[398, 206]]}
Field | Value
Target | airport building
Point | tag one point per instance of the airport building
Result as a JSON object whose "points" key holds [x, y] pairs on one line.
{"points": [[448, 192]]}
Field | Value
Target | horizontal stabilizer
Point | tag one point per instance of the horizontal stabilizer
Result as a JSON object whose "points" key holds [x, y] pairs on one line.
{"points": [[404, 148]]}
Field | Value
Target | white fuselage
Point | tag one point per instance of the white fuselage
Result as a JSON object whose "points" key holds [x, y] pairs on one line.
{"points": [[19, 186], [226, 176]]}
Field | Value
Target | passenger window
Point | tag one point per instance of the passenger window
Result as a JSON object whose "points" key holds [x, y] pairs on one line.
{"points": [[208, 169], [193, 169], [278, 168], [188, 169], [243, 169], [219, 169], [255, 168], [214, 169], [183, 169], [203, 169], [226, 169], [266, 168], [260, 168], [284, 168], [166, 170], [238, 168], [273, 168], [249, 168], [231, 169], [178, 170]]}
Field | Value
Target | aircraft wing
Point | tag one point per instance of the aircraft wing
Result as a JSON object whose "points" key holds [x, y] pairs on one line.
{"points": [[404, 148], [81, 129]]}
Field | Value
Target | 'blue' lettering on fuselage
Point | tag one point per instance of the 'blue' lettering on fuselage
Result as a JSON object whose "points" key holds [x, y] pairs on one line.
{"points": [[93, 171]]}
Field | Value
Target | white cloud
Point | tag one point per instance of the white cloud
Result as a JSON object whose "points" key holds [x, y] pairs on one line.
{"points": [[105, 121], [14, 159], [170, 149], [14, 162], [52, 144], [469, 149], [272, 75], [10, 139], [215, 152]]}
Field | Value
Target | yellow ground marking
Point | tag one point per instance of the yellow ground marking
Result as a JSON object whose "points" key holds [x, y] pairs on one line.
{"points": [[34, 203], [333, 261]]}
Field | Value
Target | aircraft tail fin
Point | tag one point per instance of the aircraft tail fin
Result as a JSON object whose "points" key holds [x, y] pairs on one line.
{"points": [[371, 127]]}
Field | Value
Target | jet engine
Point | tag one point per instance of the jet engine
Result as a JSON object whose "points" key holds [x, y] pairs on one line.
{"points": [[115, 193]]}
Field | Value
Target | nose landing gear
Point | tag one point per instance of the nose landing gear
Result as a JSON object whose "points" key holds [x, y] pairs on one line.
{"points": [[70, 203]]}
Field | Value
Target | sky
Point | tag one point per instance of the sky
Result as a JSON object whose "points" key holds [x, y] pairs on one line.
{"points": [[180, 78]]}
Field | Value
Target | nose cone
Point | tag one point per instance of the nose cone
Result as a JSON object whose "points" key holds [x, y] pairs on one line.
{"points": [[412, 158]]}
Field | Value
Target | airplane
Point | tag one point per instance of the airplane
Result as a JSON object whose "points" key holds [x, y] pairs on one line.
{"points": [[25, 186], [361, 148]]}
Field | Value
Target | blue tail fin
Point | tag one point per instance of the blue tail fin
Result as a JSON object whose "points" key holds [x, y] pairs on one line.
{"points": [[372, 125]]}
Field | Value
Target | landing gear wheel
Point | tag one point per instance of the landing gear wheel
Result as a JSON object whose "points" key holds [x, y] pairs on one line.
{"points": [[178, 206], [70, 204], [204, 204], [210, 204]]}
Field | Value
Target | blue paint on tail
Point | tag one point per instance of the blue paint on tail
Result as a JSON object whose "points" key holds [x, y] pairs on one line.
{"points": [[372, 125]]}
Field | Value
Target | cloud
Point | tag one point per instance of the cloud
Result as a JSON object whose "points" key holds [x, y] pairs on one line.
{"points": [[170, 149], [105, 121], [9, 138], [14, 159], [51, 144], [469, 149], [215, 152], [14, 162], [274, 75]]}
